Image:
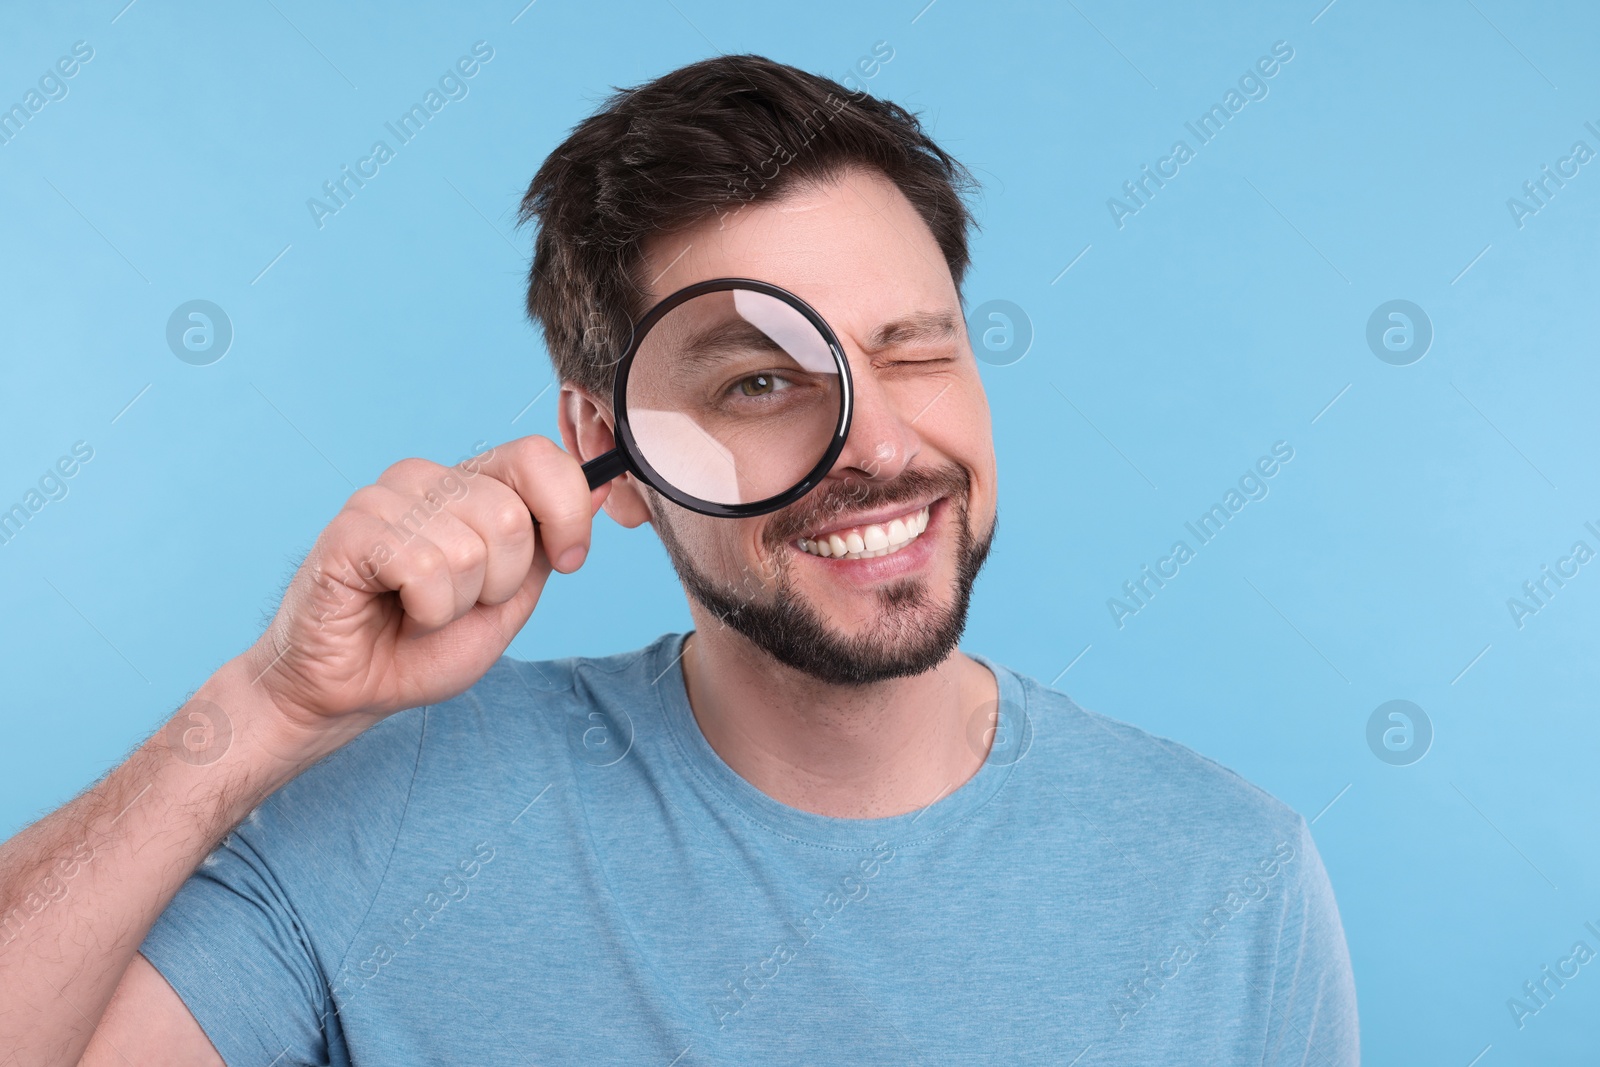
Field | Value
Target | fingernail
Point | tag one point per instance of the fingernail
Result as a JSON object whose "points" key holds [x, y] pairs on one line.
{"points": [[571, 559]]}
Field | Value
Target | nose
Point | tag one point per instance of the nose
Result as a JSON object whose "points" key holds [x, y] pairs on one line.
{"points": [[882, 440]]}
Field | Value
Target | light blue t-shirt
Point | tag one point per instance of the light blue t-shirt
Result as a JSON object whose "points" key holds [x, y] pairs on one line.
{"points": [[556, 867]]}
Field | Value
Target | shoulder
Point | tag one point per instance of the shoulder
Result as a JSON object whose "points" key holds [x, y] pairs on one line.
{"points": [[1150, 791], [441, 755], [521, 707], [1191, 830], [427, 774], [514, 731], [1214, 869]]}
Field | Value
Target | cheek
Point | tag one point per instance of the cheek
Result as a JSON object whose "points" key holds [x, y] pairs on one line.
{"points": [[721, 549], [959, 426], [970, 443], [976, 400], [929, 398], [736, 560]]}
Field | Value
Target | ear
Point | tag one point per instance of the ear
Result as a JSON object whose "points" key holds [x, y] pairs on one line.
{"points": [[586, 432]]}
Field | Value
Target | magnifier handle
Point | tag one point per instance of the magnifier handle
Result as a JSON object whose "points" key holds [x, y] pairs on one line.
{"points": [[602, 469]]}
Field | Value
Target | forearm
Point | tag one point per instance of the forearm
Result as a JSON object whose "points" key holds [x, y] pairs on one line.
{"points": [[80, 888]]}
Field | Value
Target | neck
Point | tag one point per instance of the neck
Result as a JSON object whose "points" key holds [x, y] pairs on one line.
{"points": [[848, 752]]}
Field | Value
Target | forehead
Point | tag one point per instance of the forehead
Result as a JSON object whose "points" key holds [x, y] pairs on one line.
{"points": [[853, 247]]}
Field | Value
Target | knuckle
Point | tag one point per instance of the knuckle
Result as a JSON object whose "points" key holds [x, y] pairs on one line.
{"points": [[542, 452], [509, 520], [369, 499], [467, 555], [566, 511], [349, 530], [343, 525], [407, 471], [411, 515], [428, 562]]}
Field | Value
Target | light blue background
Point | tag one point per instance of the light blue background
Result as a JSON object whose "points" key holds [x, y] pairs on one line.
{"points": [[1223, 317]]}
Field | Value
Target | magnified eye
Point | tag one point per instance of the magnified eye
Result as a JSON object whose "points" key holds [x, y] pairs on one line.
{"points": [[759, 385]]}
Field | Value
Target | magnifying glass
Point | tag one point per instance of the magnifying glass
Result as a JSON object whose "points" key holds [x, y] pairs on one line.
{"points": [[733, 399]]}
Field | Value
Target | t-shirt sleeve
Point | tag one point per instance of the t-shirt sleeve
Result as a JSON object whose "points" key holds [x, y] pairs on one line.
{"points": [[251, 938], [1313, 1016]]}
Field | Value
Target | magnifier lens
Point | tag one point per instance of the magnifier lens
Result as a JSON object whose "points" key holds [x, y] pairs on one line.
{"points": [[734, 396]]}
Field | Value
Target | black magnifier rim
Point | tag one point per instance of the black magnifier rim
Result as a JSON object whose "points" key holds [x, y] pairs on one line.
{"points": [[629, 448]]}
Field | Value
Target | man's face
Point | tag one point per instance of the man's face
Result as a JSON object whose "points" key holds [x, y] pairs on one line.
{"points": [[918, 470]]}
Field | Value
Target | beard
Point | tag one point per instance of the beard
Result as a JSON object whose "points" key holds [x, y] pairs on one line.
{"points": [[910, 632]]}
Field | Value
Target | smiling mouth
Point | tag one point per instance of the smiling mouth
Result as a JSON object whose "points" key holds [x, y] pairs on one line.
{"points": [[870, 540]]}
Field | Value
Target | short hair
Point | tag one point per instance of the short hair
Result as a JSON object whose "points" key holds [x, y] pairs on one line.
{"points": [[704, 140]]}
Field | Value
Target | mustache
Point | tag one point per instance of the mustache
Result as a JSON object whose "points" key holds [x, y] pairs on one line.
{"points": [[829, 500]]}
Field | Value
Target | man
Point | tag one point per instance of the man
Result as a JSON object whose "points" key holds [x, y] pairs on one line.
{"points": [[810, 831]]}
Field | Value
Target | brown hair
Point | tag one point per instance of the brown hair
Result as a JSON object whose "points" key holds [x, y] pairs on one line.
{"points": [[704, 140]]}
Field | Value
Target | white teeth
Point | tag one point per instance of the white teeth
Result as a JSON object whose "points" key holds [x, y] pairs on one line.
{"points": [[868, 542]]}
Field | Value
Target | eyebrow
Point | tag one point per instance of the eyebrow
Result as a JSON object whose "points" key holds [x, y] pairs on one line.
{"points": [[714, 344], [922, 326], [717, 343]]}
